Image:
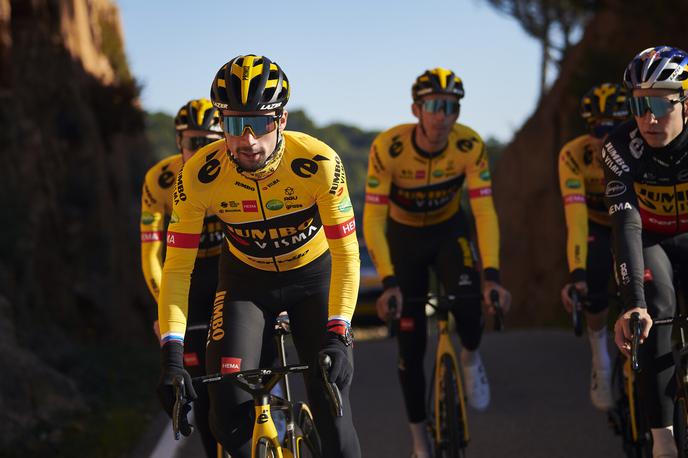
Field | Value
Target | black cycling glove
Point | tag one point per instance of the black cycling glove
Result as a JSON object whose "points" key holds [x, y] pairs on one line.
{"points": [[338, 346], [172, 365]]}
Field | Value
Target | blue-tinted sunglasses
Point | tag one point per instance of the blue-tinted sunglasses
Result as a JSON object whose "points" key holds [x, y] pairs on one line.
{"points": [[658, 106], [257, 125], [446, 106]]}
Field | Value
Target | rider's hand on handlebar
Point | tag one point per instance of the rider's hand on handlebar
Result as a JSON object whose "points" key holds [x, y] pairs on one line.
{"points": [[504, 296], [581, 287], [173, 364], [382, 303], [338, 346], [622, 329]]}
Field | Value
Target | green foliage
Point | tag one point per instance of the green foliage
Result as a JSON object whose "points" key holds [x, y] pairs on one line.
{"points": [[351, 143], [161, 134]]}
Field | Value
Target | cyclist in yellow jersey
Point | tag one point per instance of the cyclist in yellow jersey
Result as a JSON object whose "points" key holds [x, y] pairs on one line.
{"points": [[290, 245], [411, 222], [588, 247], [197, 123]]}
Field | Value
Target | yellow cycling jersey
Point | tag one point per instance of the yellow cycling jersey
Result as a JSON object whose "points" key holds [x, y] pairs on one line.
{"points": [[419, 189], [581, 180], [277, 223], [156, 206]]}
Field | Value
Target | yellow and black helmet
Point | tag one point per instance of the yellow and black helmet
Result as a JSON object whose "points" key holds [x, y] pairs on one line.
{"points": [[606, 101], [250, 83], [198, 114], [437, 81]]}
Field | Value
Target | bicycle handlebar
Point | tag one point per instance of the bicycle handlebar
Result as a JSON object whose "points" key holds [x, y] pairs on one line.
{"points": [[332, 389], [636, 330], [499, 312], [577, 311], [392, 321]]}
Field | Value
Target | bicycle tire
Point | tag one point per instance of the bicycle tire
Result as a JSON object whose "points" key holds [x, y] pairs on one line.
{"points": [[265, 449], [308, 440], [452, 442], [681, 426], [622, 421]]}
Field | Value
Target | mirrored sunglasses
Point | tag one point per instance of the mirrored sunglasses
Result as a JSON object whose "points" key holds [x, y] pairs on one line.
{"points": [[448, 107], [256, 125]]}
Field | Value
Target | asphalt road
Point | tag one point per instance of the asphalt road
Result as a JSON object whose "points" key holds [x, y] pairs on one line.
{"points": [[540, 405]]}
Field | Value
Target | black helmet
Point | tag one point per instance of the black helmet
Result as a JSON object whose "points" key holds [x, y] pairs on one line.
{"points": [[250, 83]]}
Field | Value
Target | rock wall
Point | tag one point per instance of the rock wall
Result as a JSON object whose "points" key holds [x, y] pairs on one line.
{"points": [[73, 153], [526, 185]]}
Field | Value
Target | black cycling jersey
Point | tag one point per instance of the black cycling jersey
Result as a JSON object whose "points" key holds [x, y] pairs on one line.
{"points": [[646, 196]]}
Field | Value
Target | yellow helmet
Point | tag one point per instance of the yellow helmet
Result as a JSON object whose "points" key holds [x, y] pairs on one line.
{"points": [[250, 83], [606, 101], [437, 81], [198, 114]]}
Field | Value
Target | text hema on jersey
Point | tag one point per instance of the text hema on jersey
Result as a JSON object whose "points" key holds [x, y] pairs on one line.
{"points": [[613, 208]]}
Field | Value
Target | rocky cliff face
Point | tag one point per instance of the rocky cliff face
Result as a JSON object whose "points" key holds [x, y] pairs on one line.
{"points": [[73, 154], [526, 185]]}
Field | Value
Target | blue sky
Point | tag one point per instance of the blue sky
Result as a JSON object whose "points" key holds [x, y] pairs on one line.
{"points": [[352, 61]]}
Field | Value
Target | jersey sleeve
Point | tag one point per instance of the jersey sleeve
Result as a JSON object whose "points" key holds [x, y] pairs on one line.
{"points": [[337, 216], [479, 184], [622, 204], [572, 187], [151, 227], [183, 235], [375, 212]]}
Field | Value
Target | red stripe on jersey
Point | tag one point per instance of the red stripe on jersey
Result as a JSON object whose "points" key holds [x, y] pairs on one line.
{"points": [[377, 199], [341, 230], [658, 223], [181, 240], [574, 199], [480, 192], [151, 236]]}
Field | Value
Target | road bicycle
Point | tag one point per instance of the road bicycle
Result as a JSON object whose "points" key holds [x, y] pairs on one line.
{"points": [[447, 419], [301, 439]]}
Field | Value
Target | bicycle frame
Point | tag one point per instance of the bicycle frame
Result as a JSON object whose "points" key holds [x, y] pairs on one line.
{"points": [[264, 428], [445, 347]]}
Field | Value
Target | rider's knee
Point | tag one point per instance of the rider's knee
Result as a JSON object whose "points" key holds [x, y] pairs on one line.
{"points": [[232, 427]]}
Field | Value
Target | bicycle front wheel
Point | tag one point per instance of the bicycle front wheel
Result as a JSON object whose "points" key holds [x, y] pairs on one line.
{"points": [[681, 426], [452, 438], [265, 449], [307, 439]]}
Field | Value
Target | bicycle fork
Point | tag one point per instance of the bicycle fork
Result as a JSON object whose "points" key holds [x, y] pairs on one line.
{"points": [[264, 427]]}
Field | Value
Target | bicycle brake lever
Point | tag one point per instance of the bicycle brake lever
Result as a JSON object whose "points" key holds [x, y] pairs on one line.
{"points": [[332, 388]]}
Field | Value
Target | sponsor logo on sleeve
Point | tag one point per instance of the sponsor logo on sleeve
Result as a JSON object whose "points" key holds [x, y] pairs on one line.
{"points": [[151, 236], [341, 230], [182, 240], [345, 205], [574, 199], [396, 147], [480, 192], [210, 170], [573, 184], [147, 218], [174, 218], [373, 182], [615, 188], [613, 160], [619, 207], [485, 175], [376, 199], [437, 173]]}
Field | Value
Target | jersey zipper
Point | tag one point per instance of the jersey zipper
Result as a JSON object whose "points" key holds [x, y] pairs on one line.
{"points": [[427, 200], [262, 212]]}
